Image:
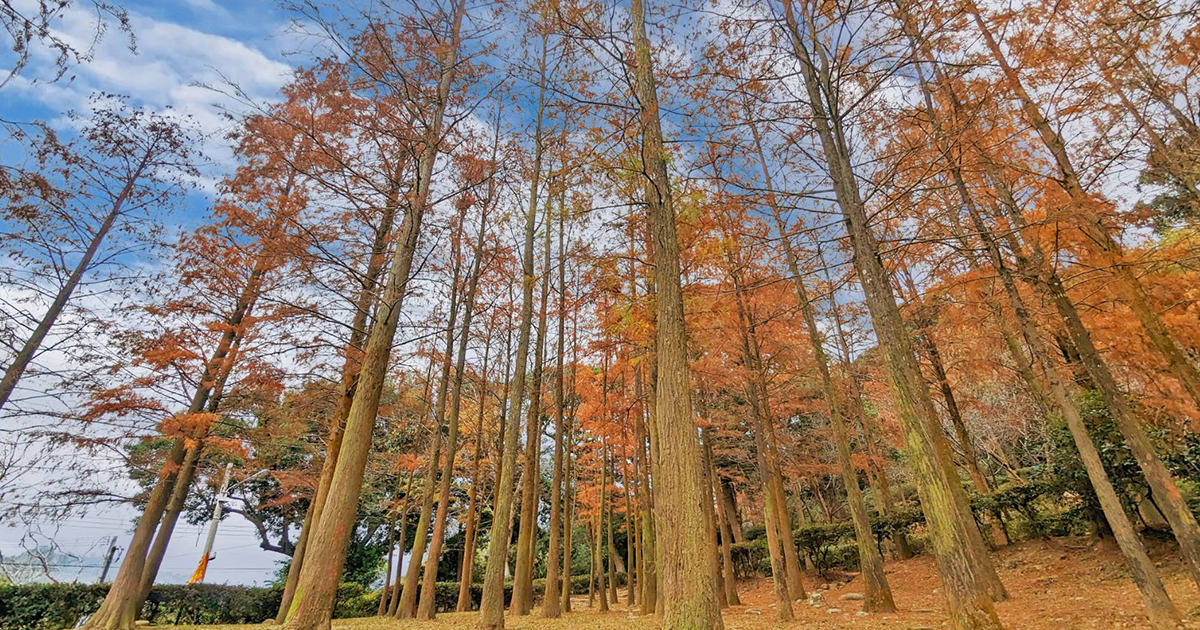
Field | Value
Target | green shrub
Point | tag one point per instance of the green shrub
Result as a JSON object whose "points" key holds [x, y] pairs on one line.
{"points": [[55, 606], [47, 606], [750, 558]]}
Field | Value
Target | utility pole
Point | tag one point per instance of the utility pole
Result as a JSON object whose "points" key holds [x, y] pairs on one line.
{"points": [[112, 552], [198, 576]]}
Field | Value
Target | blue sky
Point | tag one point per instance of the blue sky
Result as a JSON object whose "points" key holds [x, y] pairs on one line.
{"points": [[179, 44]]}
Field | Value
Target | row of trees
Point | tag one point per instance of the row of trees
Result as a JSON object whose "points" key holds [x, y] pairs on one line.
{"points": [[784, 258]]}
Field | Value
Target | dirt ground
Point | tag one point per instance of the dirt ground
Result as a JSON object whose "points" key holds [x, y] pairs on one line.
{"points": [[1054, 585]]}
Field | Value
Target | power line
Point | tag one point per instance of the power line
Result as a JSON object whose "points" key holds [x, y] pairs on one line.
{"points": [[53, 565]]}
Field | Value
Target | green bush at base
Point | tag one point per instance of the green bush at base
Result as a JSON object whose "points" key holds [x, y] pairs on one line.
{"points": [[56, 606]]}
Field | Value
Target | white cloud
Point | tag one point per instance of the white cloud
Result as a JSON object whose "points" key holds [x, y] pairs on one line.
{"points": [[172, 63]]}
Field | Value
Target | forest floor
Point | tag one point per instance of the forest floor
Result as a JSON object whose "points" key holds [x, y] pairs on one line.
{"points": [[1060, 584]]}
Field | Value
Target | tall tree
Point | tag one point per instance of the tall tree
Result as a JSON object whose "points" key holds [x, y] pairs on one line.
{"points": [[491, 608], [969, 579], [312, 606], [125, 167], [688, 584]]}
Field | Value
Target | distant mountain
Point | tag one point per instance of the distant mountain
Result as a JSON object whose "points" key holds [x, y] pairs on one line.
{"points": [[51, 565]]}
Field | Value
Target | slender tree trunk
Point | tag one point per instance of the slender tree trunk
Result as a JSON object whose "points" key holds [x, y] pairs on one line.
{"points": [[12, 374], [522, 598], [427, 608], [728, 501], [397, 585], [394, 603], [974, 470], [870, 428], [408, 596], [613, 556], [601, 582], [390, 586], [568, 524], [491, 609], [776, 530], [366, 298], [551, 601], [312, 606], [124, 600], [730, 577], [591, 568], [630, 527], [387, 573], [649, 581], [467, 567], [969, 579], [710, 513], [1160, 609], [878, 596]]}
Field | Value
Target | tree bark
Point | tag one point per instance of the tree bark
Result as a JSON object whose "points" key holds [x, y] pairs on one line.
{"points": [[969, 579], [551, 601], [688, 591], [491, 609], [312, 605]]}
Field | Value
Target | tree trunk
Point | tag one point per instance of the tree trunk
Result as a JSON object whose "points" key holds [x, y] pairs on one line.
{"points": [[12, 374], [522, 598], [394, 604], [711, 517], [387, 573], [869, 427], [367, 296], [1160, 609], [124, 600], [427, 608], [689, 593], [491, 609], [970, 581], [568, 524], [730, 578], [551, 601], [467, 567], [630, 526], [598, 548], [312, 606], [408, 595], [878, 595], [613, 556]]}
